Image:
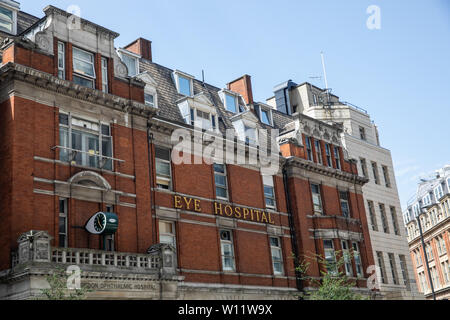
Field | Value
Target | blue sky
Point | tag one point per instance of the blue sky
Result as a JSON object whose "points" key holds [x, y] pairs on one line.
{"points": [[400, 73]]}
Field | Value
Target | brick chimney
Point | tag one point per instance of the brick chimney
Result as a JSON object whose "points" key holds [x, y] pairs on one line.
{"points": [[243, 86], [141, 46]]}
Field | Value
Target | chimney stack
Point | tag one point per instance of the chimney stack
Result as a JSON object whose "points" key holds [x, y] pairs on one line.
{"points": [[142, 47], [243, 86]]}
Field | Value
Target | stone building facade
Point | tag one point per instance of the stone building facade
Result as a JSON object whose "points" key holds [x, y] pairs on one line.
{"points": [[431, 204], [381, 200], [88, 134]]}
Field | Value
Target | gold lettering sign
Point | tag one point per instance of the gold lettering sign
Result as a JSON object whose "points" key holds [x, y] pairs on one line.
{"points": [[225, 210]]}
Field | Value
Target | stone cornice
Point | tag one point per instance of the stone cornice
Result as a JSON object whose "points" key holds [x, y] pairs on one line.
{"points": [[330, 172], [49, 10], [13, 71]]}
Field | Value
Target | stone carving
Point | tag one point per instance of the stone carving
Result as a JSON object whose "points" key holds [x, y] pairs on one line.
{"points": [[43, 42]]}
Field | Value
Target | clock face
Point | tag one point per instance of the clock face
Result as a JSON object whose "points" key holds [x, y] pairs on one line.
{"points": [[103, 223], [99, 222]]}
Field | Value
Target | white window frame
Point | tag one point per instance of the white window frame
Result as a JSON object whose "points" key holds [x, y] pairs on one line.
{"points": [[122, 52], [168, 162], [267, 110], [104, 68], [172, 235], [268, 181], [85, 157], [153, 95], [357, 259], [345, 201], [236, 102], [347, 261], [278, 249], [13, 19], [82, 75], [330, 253], [319, 196], [438, 192], [176, 76], [224, 174], [229, 242], [61, 60]]}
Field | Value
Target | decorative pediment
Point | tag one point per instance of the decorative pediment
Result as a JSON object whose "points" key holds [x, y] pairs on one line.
{"points": [[90, 178], [246, 116], [147, 78]]}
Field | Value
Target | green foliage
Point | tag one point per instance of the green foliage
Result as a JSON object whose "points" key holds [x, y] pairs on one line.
{"points": [[333, 284], [58, 288]]}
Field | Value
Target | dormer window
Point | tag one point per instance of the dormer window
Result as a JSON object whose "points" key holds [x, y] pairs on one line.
{"points": [[183, 83], [250, 135], [149, 99], [231, 103], [8, 19], [83, 68], [264, 114], [131, 60], [198, 112], [185, 86]]}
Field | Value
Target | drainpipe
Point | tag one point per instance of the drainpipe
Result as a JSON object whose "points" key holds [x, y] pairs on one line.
{"points": [[298, 274], [150, 175]]}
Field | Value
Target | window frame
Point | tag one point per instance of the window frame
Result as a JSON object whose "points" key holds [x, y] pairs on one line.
{"points": [[394, 217], [387, 179], [384, 220], [223, 174], [345, 200], [61, 60], [347, 260], [333, 265], [308, 147], [372, 215], [337, 157], [328, 155], [172, 235], [162, 176], [357, 258], [382, 266], [362, 133], [364, 169], [229, 242], [82, 75], [13, 21], [176, 75], [130, 55], [63, 214], [266, 196], [104, 69], [393, 266], [318, 151], [70, 127], [278, 248], [319, 195], [375, 172]]}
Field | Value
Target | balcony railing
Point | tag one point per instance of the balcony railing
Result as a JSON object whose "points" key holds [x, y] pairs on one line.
{"points": [[34, 247], [103, 258]]}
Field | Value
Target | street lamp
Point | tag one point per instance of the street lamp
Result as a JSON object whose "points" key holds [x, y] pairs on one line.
{"points": [[421, 212]]}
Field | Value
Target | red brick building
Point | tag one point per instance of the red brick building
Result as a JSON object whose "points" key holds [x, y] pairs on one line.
{"points": [[88, 129]]}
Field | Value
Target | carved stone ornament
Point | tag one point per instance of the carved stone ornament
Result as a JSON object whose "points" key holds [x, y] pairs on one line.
{"points": [[42, 41]]}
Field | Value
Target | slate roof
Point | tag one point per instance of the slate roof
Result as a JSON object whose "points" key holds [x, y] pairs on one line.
{"points": [[168, 97], [24, 21]]}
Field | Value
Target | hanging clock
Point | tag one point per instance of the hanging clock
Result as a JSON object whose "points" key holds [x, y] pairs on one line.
{"points": [[103, 223]]}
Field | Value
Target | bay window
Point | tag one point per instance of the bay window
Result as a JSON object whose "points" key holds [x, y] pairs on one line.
{"points": [[83, 68], [84, 142]]}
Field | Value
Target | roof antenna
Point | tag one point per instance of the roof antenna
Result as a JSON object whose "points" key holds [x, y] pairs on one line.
{"points": [[325, 77], [203, 77]]}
